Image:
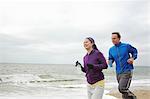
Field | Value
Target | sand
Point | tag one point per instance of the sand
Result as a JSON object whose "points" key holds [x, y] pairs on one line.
{"points": [[141, 93]]}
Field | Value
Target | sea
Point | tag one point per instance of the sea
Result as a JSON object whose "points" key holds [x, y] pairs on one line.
{"points": [[58, 81]]}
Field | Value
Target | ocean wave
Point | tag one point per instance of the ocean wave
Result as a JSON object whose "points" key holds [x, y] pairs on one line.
{"points": [[73, 86], [30, 78]]}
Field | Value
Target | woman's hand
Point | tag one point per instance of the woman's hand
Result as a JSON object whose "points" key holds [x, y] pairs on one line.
{"points": [[90, 66], [78, 63]]}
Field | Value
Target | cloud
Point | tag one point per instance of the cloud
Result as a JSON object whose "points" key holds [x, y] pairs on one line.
{"points": [[53, 32]]}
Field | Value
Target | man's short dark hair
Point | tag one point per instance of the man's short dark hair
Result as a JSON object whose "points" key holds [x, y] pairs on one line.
{"points": [[117, 33]]}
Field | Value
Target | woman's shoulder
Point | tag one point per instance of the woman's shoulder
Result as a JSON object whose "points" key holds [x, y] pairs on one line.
{"points": [[85, 56], [98, 52]]}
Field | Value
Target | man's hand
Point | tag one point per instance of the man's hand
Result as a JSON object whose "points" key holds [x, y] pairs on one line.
{"points": [[130, 60], [90, 66], [110, 62]]}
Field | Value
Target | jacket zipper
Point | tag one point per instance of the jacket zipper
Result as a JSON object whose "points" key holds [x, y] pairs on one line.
{"points": [[119, 58]]}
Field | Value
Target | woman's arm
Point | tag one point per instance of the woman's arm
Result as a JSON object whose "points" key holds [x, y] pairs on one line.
{"points": [[102, 62]]}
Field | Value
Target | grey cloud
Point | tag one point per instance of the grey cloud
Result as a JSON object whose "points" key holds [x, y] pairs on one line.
{"points": [[55, 33]]}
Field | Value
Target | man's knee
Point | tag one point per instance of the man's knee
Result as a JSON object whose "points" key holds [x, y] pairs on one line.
{"points": [[122, 90]]}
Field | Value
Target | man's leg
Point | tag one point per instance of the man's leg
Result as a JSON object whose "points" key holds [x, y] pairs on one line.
{"points": [[124, 84]]}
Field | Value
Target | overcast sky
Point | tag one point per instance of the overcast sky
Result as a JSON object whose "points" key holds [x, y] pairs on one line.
{"points": [[53, 31]]}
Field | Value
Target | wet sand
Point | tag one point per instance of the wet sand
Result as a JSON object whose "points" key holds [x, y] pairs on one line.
{"points": [[140, 92]]}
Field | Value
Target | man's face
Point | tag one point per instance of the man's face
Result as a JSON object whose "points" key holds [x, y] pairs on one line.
{"points": [[115, 39]]}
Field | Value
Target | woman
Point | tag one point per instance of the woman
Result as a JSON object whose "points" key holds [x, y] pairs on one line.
{"points": [[94, 63]]}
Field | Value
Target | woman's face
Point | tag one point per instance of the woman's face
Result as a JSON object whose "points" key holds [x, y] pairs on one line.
{"points": [[87, 44]]}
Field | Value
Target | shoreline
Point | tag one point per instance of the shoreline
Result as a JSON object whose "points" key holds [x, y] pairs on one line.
{"points": [[142, 92]]}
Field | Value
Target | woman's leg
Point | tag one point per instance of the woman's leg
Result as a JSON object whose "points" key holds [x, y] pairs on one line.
{"points": [[89, 92], [98, 93]]}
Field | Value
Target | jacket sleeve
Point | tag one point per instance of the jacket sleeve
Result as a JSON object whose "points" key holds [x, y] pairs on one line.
{"points": [[110, 57], [83, 68], [133, 51], [101, 62]]}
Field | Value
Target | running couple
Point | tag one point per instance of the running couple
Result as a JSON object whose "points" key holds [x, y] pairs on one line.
{"points": [[94, 63]]}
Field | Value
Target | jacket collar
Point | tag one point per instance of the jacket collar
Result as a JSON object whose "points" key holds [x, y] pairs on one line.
{"points": [[117, 45], [91, 52]]}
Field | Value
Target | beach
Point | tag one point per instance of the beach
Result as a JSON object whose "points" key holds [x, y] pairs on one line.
{"points": [[141, 93], [45, 81], [141, 88]]}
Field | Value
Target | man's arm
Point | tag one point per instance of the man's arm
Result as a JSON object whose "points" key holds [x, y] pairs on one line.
{"points": [[133, 52], [110, 59]]}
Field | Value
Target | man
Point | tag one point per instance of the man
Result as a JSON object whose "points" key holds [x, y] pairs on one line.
{"points": [[124, 56]]}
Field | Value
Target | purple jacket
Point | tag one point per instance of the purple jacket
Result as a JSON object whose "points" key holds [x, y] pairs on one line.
{"points": [[97, 59]]}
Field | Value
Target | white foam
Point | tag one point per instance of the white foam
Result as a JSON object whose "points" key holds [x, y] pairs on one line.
{"points": [[141, 82], [18, 78], [55, 97], [73, 86]]}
